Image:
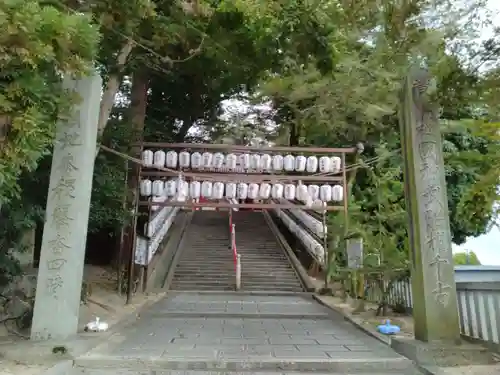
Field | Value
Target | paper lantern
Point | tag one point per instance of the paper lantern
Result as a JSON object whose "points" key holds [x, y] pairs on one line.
{"points": [[170, 188], [230, 190], [206, 189], [325, 193], [290, 192], [145, 188], [264, 191], [277, 191], [337, 193], [206, 160], [218, 190], [157, 188], [147, 158], [265, 162], [242, 190], [302, 193], [171, 159], [255, 161], [277, 162], [325, 164], [300, 163], [313, 191], [244, 161], [218, 160], [184, 159], [289, 163], [253, 191], [196, 160], [182, 190], [312, 164], [231, 161], [159, 158], [336, 164], [194, 189]]}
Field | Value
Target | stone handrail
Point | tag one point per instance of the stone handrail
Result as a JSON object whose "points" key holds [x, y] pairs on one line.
{"points": [[478, 290]]}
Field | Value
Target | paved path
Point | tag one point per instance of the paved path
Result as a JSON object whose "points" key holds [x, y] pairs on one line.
{"points": [[235, 332]]}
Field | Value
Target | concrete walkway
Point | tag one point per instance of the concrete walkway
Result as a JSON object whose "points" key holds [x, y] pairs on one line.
{"points": [[241, 332]]}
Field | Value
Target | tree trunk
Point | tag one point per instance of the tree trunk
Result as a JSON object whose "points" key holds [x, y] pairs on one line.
{"points": [[137, 115], [112, 86]]}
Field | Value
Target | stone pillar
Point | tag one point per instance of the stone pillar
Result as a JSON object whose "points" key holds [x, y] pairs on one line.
{"points": [[434, 293], [60, 273]]}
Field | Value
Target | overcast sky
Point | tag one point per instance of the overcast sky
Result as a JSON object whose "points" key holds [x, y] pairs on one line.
{"points": [[486, 247]]}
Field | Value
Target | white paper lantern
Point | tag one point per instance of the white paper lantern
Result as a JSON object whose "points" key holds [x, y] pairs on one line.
{"points": [[170, 188], [244, 161], [171, 159], [265, 162], [277, 163], [231, 161], [145, 188], [289, 163], [277, 191], [312, 164], [206, 189], [337, 193], [300, 163], [159, 158], [157, 188], [218, 190], [207, 160], [313, 191], [230, 190], [218, 160], [184, 159], [265, 191], [336, 164], [302, 193], [253, 191], [242, 190], [147, 158], [196, 160], [325, 193], [255, 161], [290, 192], [195, 189], [182, 190], [325, 164]]}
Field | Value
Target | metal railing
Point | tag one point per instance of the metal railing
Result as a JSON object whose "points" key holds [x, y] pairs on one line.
{"points": [[478, 294], [236, 256]]}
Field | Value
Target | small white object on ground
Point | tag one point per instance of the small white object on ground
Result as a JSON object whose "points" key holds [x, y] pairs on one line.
{"points": [[96, 326]]}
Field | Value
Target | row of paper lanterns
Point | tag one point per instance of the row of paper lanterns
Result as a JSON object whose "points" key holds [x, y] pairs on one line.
{"points": [[262, 162], [232, 190]]}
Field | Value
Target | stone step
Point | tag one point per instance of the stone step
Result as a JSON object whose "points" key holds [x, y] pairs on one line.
{"points": [[206, 261], [136, 365]]}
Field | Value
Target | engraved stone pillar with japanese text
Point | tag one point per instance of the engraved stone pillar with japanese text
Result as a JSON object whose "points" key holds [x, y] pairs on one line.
{"points": [[434, 293], [60, 273]]}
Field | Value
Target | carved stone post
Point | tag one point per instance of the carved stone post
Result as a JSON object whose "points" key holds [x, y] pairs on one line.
{"points": [[60, 273], [433, 278]]}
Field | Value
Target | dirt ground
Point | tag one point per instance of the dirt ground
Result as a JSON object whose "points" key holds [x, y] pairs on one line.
{"points": [[103, 302], [368, 318]]}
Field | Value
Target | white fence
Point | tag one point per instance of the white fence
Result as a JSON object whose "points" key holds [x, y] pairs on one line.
{"points": [[478, 291]]}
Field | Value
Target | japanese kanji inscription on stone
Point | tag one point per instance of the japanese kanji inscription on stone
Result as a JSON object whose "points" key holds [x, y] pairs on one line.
{"points": [[433, 284], [62, 255]]}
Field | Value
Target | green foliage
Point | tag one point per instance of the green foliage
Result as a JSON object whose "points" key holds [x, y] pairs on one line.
{"points": [[466, 258], [39, 44]]}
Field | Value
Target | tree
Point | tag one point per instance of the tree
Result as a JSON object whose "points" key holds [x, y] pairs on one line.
{"points": [[466, 258]]}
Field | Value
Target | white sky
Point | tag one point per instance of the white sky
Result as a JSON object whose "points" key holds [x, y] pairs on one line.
{"points": [[487, 246]]}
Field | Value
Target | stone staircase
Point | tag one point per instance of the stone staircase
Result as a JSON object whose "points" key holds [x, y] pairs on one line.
{"points": [[206, 261]]}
